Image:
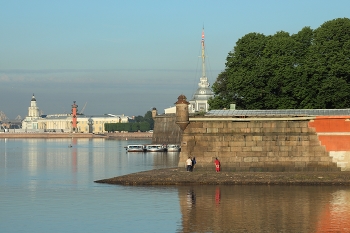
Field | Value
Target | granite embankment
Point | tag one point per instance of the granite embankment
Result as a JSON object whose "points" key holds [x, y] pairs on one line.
{"points": [[135, 135], [179, 176]]}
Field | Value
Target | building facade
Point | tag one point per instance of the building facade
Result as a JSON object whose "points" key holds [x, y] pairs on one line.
{"points": [[31, 121], [35, 122]]}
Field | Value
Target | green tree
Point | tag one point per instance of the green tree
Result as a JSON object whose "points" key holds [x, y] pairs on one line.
{"points": [[310, 69], [135, 127], [327, 67], [139, 123], [144, 126], [148, 118]]}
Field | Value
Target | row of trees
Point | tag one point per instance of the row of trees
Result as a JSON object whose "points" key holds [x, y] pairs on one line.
{"points": [[140, 123], [129, 127], [307, 70]]}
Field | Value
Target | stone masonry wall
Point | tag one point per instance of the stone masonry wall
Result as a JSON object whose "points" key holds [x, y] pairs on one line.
{"points": [[260, 145], [165, 130]]}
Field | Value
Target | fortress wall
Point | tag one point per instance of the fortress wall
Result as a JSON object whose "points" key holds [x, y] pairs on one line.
{"points": [[165, 130], [268, 144]]}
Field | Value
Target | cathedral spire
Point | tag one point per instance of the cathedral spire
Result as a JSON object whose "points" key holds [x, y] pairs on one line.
{"points": [[203, 54], [199, 101]]}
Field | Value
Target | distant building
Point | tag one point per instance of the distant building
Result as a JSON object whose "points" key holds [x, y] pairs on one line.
{"points": [[31, 121], [170, 110], [85, 124], [35, 122]]}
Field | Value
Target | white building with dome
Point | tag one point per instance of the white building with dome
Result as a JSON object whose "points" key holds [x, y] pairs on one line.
{"points": [[30, 123]]}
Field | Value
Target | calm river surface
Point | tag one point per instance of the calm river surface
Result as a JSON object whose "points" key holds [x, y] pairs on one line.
{"points": [[47, 186]]}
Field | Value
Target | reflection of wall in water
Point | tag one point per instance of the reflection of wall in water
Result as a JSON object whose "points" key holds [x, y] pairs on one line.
{"points": [[252, 208]]}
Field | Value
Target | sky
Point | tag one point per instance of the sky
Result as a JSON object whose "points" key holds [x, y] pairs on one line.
{"points": [[128, 56]]}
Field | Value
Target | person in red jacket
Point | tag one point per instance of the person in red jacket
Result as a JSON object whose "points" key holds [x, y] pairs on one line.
{"points": [[217, 165]]}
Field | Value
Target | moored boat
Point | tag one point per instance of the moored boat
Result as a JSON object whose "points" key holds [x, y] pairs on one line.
{"points": [[155, 148], [135, 148], [173, 147]]}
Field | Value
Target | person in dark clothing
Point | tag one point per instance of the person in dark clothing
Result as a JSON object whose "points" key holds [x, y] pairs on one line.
{"points": [[193, 163]]}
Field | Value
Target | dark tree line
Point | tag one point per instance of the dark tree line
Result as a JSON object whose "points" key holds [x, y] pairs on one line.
{"points": [[140, 123], [307, 70]]}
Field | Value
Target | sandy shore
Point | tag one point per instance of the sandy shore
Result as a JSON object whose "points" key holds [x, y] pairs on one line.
{"points": [[179, 176]]}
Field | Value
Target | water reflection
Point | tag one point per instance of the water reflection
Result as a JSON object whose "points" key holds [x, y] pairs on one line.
{"points": [[335, 216], [264, 209], [39, 176]]}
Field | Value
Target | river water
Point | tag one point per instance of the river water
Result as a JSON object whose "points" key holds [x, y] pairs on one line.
{"points": [[47, 186]]}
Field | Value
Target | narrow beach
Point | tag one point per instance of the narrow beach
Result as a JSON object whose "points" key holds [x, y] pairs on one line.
{"points": [[179, 176]]}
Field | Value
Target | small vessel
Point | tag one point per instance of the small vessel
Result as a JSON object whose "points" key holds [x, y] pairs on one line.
{"points": [[173, 147], [135, 148], [155, 148]]}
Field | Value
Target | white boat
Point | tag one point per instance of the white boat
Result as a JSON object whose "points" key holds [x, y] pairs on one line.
{"points": [[135, 148], [173, 147], [155, 148]]}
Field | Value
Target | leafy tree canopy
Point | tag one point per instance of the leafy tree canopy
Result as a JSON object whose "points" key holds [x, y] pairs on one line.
{"points": [[139, 123], [307, 70]]}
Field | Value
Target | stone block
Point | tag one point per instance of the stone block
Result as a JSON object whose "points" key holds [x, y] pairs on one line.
{"points": [[244, 164], [250, 143], [250, 159], [256, 130], [291, 143], [236, 149], [304, 130], [222, 144], [284, 148], [211, 130], [281, 124], [187, 137], [317, 148], [283, 154], [271, 154], [325, 159], [238, 124], [268, 124], [323, 163], [257, 148], [235, 159], [225, 148], [197, 130], [211, 154], [299, 164], [204, 149], [313, 137], [305, 144], [236, 144], [238, 138], [257, 138], [225, 154], [200, 143], [195, 124]]}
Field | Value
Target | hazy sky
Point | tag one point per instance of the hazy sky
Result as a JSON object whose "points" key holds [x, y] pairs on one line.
{"points": [[127, 56]]}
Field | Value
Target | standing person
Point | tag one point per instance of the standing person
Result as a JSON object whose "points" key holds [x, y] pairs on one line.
{"points": [[193, 163], [217, 165], [189, 164]]}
